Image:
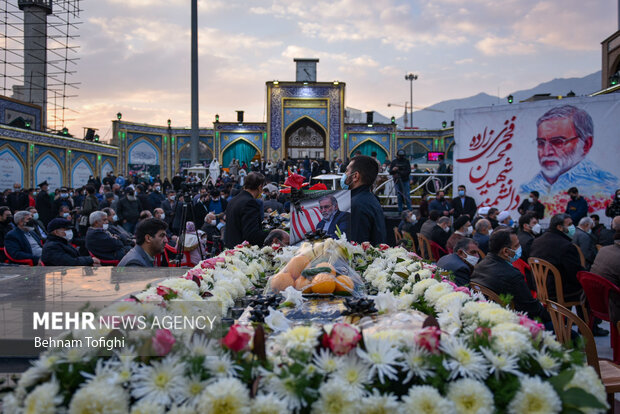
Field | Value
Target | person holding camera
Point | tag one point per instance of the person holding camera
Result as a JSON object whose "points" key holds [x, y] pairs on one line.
{"points": [[400, 169]]}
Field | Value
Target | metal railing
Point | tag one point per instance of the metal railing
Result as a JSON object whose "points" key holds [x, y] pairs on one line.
{"points": [[427, 183]]}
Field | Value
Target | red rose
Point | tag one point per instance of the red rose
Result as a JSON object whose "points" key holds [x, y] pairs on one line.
{"points": [[342, 338], [163, 342], [295, 181], [428, 338], [238, 338]]}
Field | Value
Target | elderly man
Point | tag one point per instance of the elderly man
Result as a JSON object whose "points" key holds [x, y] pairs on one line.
{"points": [[22, 243], [462, 229], [57, 250], [118, 231], [441, 232], [565, 135], [461, 263], [100, 242], [496, 272], [607, 261], [529, 229], [585, 240], [332, 216], [482, 234], [150, 241], [504, 219], [39, 227]]}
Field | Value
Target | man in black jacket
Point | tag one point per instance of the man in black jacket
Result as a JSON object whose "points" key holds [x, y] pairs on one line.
{"points": [[556, 247], [528, 230], [128, 210], [461, 263], [400, 169], [43, 203], [532, 205], [463, 204], [367, 219], [243, 214], [18, 199], [58, 252], [441, 232], [496, 273], [100, 242]]}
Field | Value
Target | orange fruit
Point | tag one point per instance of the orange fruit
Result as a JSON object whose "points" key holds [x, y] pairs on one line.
{"points": [[344, 284], [323, 283], [301, 283], [281, 281], [295, 266], [326, 264]]}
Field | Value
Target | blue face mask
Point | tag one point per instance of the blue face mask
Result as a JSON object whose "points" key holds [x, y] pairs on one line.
{"points": [[461, 193], [511, 222], [517, 255], [571, 231], [343, 183]]}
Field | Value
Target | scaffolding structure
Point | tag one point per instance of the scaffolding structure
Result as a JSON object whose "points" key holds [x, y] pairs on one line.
{"points": [[60, 34]]}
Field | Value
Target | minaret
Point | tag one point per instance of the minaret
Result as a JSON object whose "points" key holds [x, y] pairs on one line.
{"points": [[34, 89]]}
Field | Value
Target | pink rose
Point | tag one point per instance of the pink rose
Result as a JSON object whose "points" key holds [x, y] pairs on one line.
{"points": [[163, 342], [462, 289], [342, 338], [365, 245], [428, 338], [534, 327], [238, 338]]}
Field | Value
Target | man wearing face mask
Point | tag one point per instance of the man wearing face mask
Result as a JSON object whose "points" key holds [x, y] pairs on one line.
{"points": [[461, 263], [217, 204], [116, 230], [462, 229], [532, 205], [585, 240], [22, 243], [58, 251], [100, 242], [168, 205], [496, 272], [128, 210], [504, 220], [463, 204], [39, 227], [367, 219], [529, 229], [6, 225], [18, 199], [555, 246], [577, 207], [441, 232], [440, 204], [156, 197], [44, 203], [482, 234]]}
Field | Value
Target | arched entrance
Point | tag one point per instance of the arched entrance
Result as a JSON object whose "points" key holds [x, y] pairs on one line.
{"points": [[185, 155], [240, 150], [416, 152], [305, 137], [368, 147]]}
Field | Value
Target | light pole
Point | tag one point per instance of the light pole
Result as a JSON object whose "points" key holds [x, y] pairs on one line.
{"points": [[405, 115], [411, 77]]}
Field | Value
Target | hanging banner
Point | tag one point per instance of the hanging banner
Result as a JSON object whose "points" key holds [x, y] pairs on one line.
{"points": [[503, 153]]}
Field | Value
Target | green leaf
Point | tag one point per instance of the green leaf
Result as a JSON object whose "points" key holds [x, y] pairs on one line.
{"points": [[577, 397], [561, 380]]}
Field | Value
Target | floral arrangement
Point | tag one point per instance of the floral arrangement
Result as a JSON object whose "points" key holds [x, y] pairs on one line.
{"points": [[470, 356]]}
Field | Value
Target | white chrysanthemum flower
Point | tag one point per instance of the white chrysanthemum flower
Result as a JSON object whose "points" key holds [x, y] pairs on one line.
{"points": [[268, 404], [474, 308], [386, 302], [354, 372], [195, 386], [535, 396], [511, 339], [180, 284], [225, 396], [10, 404], [425, 400], [335, 397], [377, 403], [496, 316], [464, 361], [43, 399], [181, 409], [286, 390], [99, 398], [221, 365], [417, 363], [40, 369], [201, 345], [163, 381], [501, 363], [300, 338], [587, 379], [148, 407], [549, 364], [453, 300], [550, 342], [326, 362], [383, 358], [419, 288], [105, 371], [471, 397]]}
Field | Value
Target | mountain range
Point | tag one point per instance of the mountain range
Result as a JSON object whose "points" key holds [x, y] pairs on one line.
{"points": [[427, 119]]}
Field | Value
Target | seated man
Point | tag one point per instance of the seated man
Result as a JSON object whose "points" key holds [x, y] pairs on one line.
{"points": [[462, 229], [496, 273], [555, 246], [585, 240], [22, 243], [57, 250], [607, 261], [332, 216], [441, 232], [100, 242], [528, 230], [39, 227], [150, 241], [427, 227], [505, 220], [482, 234], [6, 225], [117, 230], [461, 263]]}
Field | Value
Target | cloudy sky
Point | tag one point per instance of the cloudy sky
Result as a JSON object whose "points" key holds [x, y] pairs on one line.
{"points": [[135, 53]]}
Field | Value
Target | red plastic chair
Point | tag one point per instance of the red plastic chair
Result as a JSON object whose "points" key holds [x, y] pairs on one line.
{"points": [[105, 262], [437, 251], [523, 267], [597, 290], [28, 262], [173, 251]]}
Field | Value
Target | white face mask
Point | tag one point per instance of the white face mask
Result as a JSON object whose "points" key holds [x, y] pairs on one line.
{"points": [[446, 229], [536, 228], [105, 226], [490, 232], [470, 230], [68, 235], [163, 216], [115, 218], [471, 259], [172, 198], [531, 200]]}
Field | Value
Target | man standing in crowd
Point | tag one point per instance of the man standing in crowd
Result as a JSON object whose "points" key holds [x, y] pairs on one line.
{"points": [[400, 169], [169, 205], [156, 197], [150, 241], [461, 263], [607, 262], [44, 204], [463, 204], [367, 219], [529, 229], [577, 207], [22, 243], [533, 205], [128, 210], [57, 250], [18, 199]]}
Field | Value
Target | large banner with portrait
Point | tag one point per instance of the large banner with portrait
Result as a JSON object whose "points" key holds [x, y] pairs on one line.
{"points": [[505, 153]]}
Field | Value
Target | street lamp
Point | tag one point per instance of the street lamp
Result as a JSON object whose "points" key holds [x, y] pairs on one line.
{"points": [[411, 77]]}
